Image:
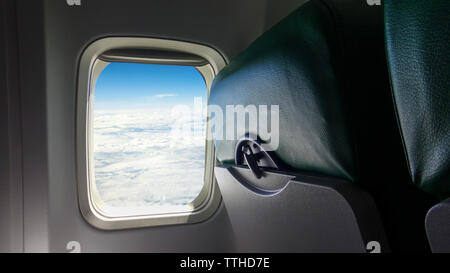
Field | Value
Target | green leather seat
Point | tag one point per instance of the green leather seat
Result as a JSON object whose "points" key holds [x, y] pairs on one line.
{"points": [[418, 47], [325, 66], [292, 66], [417, 42]]}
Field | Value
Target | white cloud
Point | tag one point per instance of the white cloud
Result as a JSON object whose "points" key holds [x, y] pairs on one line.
{"points": [[139, 163], [159, 96]]}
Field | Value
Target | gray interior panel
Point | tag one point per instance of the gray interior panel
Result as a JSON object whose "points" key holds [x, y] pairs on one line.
{"points": [[317, 214], [11, 200], [437, 223]]}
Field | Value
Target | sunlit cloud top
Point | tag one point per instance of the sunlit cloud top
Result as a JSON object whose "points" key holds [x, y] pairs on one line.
{"points": [[164, 95]]}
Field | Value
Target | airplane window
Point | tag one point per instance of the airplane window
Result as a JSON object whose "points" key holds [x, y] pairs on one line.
{"points": [[148, 138]]}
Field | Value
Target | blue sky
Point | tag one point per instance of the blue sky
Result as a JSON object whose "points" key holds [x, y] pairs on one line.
{"points": [[147, 86]]}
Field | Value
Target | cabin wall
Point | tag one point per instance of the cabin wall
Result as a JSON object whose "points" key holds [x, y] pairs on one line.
{"points": [[39, 136]]}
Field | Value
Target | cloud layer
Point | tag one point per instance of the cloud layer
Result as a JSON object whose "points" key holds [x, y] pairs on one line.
{"points": [[139, 161], [164, 95]]}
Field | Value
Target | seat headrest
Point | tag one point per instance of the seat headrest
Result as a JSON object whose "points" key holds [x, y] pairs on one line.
{"points": [[294, 66], [418, 49]]}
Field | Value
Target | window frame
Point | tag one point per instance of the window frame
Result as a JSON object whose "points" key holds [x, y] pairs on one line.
{"points": [[90, 67]]}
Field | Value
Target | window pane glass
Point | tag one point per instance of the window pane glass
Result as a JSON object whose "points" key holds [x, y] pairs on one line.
{"points": [[148, 136]]}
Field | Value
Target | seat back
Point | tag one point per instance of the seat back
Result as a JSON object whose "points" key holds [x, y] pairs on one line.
{"points": [[292, 66], [324, 68], [417, 43], [417, 40]]}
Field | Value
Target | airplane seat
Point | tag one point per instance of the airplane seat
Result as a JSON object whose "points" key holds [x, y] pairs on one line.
{"points": [[325, 67], [417, 43]]}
